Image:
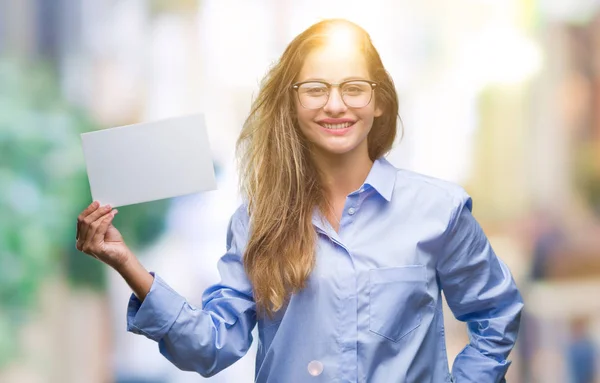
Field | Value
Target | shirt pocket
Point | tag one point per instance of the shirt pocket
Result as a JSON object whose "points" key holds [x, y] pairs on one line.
{"points": [[396, 299]]}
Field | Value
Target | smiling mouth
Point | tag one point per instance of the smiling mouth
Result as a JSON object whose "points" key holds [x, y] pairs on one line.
{"points": [[337, 126]]}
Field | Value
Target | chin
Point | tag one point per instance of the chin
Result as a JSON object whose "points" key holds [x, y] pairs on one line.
{"points": [[337, 149], [338, 145]]}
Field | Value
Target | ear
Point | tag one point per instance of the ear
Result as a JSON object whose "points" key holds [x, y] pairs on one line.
{"points": [[378, 111]]}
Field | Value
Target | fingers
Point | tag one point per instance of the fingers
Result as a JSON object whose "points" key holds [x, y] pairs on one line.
{"points": [[102, 227], [87, 225], [91, 207], [79, 236], [91, 217], [89, 244]]}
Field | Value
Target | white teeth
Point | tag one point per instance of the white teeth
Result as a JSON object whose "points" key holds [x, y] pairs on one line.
{"points": [[337, 126]]}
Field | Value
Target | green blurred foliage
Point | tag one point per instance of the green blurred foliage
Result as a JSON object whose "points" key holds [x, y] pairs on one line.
{"points": [[43, 188]]}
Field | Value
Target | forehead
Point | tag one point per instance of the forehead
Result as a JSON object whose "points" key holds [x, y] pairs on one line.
{"points": [[334, 65]]}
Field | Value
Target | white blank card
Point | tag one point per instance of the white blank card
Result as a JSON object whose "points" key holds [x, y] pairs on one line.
{"points": [[149, 161]]}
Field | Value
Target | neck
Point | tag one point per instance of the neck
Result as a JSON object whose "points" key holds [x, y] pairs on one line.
{"points": [[342, 174]]}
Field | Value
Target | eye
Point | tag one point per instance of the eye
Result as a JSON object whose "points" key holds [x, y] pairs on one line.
{"points": [[313, 89], [316, 91], [351, 89], [354, 89]]}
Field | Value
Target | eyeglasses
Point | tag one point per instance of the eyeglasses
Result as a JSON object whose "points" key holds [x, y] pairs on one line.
{"points": [[315, 94]]}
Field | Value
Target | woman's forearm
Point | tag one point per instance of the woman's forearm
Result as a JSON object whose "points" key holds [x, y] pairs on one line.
{"points": [[136, 276]]}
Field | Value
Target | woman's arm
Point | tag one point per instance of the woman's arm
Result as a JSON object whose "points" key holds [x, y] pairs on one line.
{"points": [[480, 291], [207, 339], [136, 276]]}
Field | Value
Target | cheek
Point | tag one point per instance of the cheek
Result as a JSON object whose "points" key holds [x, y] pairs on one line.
{"points": [[304, 116], [368, 116]]}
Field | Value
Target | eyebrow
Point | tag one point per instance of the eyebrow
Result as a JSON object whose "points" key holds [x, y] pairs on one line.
{"points": [[343, 80]]}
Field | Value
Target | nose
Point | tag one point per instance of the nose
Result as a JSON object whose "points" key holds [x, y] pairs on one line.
{"points": [[335, 105]]}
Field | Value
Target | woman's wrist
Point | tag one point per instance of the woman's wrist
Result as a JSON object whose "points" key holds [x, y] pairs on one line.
{"points": [[136, 276], [126, 263]]}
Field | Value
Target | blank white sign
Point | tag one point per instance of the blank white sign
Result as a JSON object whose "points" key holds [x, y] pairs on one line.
{"points": [[149, 161]]}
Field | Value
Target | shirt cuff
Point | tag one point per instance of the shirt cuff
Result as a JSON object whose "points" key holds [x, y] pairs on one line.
{"points": [[155, 316], [471, 366]]}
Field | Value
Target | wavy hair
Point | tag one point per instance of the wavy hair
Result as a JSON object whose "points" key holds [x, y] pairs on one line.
{"points": [[278, 177]]}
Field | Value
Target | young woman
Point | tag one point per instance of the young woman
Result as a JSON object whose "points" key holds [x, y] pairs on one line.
{"points": [[337, 255]]}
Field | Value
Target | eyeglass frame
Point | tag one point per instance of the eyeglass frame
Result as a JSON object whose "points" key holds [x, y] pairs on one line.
{"points": [[297, 85]]}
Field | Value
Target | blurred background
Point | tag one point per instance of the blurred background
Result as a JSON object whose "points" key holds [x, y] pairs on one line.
{"points": [[502, 97]]}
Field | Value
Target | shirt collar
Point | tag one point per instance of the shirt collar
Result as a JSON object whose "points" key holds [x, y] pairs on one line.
{"points": [[382, 178]]}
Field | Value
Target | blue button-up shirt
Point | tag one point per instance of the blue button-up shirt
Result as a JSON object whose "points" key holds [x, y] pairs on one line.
{"points": [[372, 308]]}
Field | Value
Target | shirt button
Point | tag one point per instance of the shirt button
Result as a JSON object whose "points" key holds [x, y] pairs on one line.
{"points": [[351, 211], [315, 368]]}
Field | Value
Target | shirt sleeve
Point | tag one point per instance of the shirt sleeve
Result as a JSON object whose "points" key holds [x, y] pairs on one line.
{"points": [[480, 291], [207, 339]]}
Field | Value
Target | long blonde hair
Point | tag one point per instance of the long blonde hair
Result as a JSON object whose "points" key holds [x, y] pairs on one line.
{"points": [[278, 177]]}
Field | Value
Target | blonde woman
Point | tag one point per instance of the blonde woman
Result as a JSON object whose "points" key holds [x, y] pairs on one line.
{"points": [[339, 257]]}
